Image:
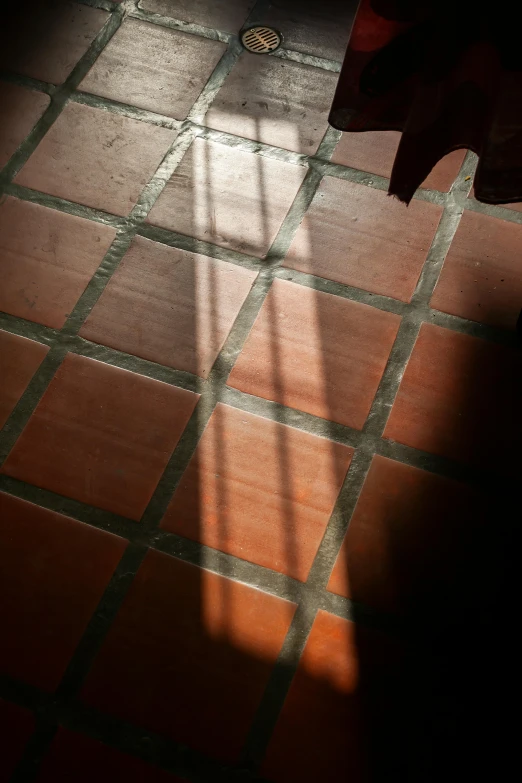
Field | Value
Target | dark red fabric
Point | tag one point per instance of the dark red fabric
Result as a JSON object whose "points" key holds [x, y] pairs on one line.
{"points": [[448, 74]]}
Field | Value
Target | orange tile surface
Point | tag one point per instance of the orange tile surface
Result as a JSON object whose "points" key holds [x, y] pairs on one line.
{"points": [[170, 306], [460, 398], [49, 590], [259, 490], [408, 546], [46, 260], [77, 442], [189, 655], [306, 345], [19, 360], [98, 159], [236, 584], [323, 726], [481, 277], [359, 236]]}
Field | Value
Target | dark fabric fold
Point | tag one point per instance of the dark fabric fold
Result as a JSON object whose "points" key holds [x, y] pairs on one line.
{"points": [[446, 74]]}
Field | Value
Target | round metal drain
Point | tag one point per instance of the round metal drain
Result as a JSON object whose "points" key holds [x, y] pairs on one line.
{"points": [[261, 40]]}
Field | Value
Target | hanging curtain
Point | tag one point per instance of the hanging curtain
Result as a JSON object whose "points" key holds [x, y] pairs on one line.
{"points": [[448, 74]]}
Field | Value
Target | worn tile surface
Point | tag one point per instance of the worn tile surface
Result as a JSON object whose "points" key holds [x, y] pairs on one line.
{"points": [[361, 237], [219, 194], [306, 345], [46, 260], [54, 571], [189, 655], [275, 101], [78, 442], [146, 65], [266, 496], [19, 360], [169, 306], [227, 15], [98, 159]]}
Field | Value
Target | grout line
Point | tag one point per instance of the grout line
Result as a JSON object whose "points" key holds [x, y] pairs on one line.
{"points": [[283, 53], [286, 667], [157, 750], [28, 82], [307, 59], [178, 24], [317, 161], [32, 331], [59, 98], [311, 596], [100, 622], [253, 146], [81, 659], [63, 205], [193, 245], [103, 5], [125, 110], [378, 301]]}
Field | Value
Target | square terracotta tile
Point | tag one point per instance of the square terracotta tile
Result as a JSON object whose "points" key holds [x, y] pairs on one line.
{"points": [[46, 260], [189, 655], [46, 40], [321, 29], [336, 698], [226, 15], [259, 490], [101, 435], [53, 573], [482, 276], [411, 541], [169, 306], [73, 756], [16, 726], [96, 158], [154, 68], [360, 236], [278, 102], [228, 197], [316, 352], [21, 109], [460, 398], [375, 151], [19, 360]]}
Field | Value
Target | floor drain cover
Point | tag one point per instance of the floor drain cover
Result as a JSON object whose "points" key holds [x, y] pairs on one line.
{"points": [[261, 40]]}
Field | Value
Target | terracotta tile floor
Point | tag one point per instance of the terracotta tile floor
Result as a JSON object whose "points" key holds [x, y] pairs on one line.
{"points": [[260, 423]]}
